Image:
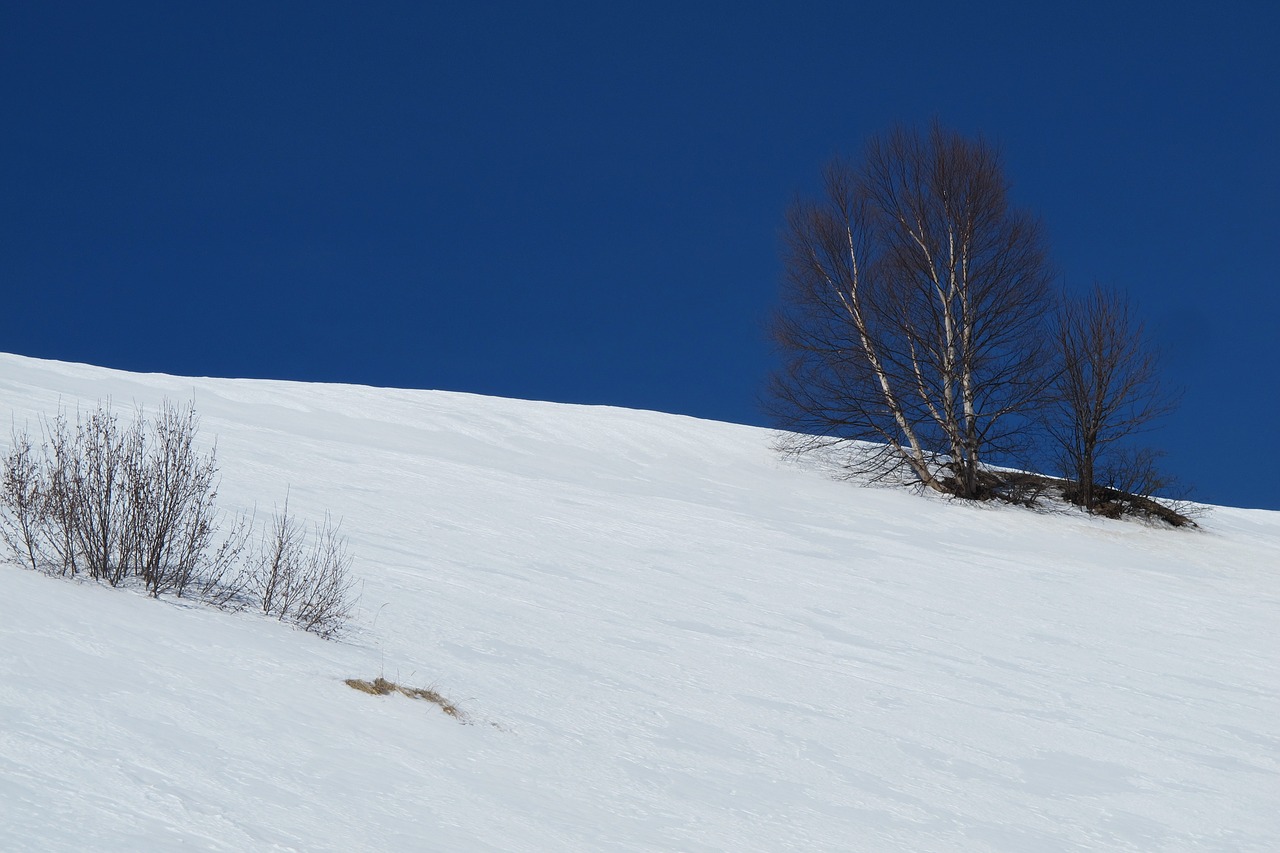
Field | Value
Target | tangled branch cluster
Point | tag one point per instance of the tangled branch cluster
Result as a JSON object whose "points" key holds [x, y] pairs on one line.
{"points": [[136, 503]]}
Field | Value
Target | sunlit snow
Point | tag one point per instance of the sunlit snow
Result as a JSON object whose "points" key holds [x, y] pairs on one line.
{"points": [[666, 639]]}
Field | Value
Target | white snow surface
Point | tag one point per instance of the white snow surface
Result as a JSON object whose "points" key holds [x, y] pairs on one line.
{"points": [[667, 639]]}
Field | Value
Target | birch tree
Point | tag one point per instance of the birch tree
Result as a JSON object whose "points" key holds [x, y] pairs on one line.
{"points": [[913, 315]]}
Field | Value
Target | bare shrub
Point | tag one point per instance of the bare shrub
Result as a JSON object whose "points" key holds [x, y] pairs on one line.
{"points": [[128, 502], [139, 503], [326, 606], [59, 523], [23, 498], [221, 580], [300, 578], [172, 513], [1128, 484], [99, 501], [270, 572]]}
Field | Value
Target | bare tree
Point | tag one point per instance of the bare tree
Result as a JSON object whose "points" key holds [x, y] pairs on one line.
{"points": [[1107, 390], [913, 315]]}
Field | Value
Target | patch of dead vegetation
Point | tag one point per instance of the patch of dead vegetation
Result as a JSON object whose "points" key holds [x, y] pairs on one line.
{"points": [[383, 687]]}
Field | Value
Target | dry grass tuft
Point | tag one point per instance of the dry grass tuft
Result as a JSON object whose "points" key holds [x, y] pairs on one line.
{"points": [[382, 687], [377, 687]]}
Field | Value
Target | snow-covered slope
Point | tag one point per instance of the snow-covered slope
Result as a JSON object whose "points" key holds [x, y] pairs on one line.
{"points": [[681, 642]]}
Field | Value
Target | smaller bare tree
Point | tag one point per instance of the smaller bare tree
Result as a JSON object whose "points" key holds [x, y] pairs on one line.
{"points": [[1108, 389]]}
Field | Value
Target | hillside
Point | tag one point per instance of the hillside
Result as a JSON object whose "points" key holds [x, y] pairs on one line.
{"points": [[667, 639]]}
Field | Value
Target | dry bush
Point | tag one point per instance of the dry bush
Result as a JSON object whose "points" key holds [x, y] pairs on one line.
{"points": [[118, 502], [24, 499], [302, 579], [138, 503]]}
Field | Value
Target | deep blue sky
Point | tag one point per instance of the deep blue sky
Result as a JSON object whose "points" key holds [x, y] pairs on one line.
{"points": [[581, 202]]}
